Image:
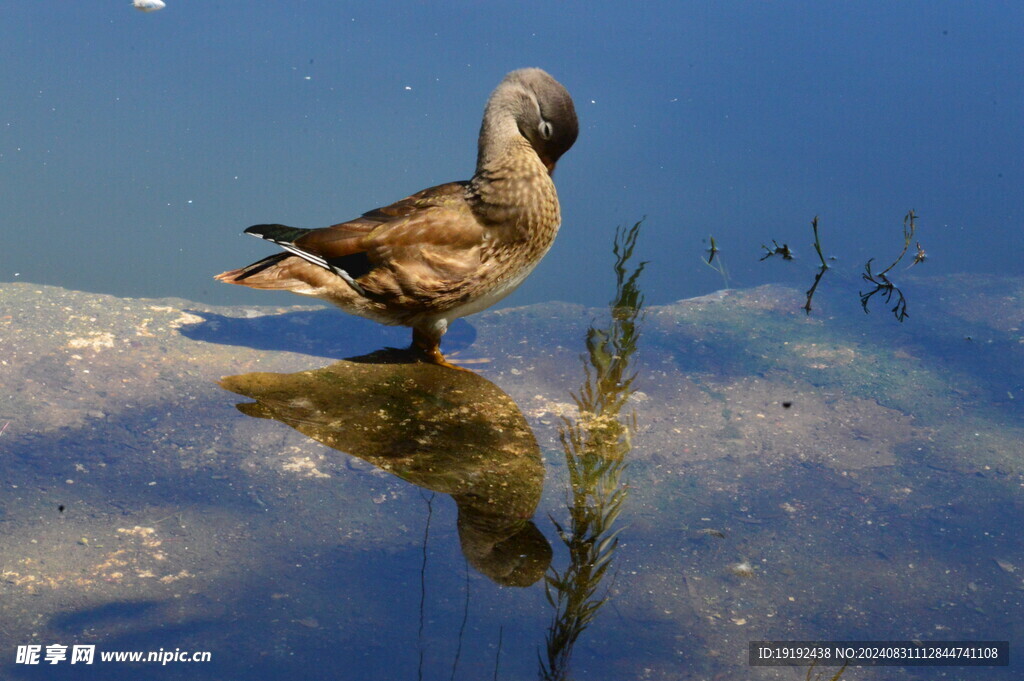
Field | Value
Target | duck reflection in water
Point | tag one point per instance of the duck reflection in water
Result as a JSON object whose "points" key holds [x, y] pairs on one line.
{"points": [[452, 432]]}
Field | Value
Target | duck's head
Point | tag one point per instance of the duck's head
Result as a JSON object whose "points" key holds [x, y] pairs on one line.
{"points": [[530, 103]]}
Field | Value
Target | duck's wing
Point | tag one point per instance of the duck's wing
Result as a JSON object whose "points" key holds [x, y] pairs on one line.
{"points": [[411, 249], [438, 216]]}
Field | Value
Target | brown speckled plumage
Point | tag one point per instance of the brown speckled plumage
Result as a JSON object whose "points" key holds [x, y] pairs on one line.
{"points": [[450, 250]]}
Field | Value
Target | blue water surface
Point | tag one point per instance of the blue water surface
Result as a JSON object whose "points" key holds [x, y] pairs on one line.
{"points": [[134, 147]]}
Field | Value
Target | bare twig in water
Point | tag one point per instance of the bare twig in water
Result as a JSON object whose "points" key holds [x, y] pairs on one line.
{"points": [[881, 281], [821, 270], [888, 290], [817, 242], [909, 228], [782, 250], [4, 428], [787, 254]]}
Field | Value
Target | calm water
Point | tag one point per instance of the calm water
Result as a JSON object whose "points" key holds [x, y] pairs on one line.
{"points": [[631, 490], [134, 147]]}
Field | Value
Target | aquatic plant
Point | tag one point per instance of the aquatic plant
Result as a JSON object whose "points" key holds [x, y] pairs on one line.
{"points": [[712, 251], [920, 256], [715, 262], [821, 270], [782, 250], [882, 284], [787, 254], [596, 444]]}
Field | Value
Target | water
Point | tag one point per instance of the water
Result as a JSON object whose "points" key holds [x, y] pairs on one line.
{"points": [[633, 490], [135, 147]]}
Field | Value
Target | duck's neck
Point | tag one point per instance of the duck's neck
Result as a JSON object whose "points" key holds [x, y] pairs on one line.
{"points": [[499, 133], [503, 154], [497, 139], [511, 188]]}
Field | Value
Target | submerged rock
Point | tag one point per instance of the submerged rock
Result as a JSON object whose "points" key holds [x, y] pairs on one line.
{"points": [[837, 448]]}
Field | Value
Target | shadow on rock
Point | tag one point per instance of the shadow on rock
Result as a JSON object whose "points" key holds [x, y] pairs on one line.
{"points": [[107, 614], [324, 333]]}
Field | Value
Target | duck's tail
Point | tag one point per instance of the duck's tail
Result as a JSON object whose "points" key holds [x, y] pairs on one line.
{"points": [[290, 270]]}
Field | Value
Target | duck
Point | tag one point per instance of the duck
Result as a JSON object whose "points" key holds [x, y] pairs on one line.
{"points": [[447, 251]]}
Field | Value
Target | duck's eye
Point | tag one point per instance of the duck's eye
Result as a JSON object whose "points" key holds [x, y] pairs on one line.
{"points": [[545, 129]]}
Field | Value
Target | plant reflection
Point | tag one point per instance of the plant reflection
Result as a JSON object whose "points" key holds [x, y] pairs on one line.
{"points": [[821, 676], [596, 443], [452, 432]]}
